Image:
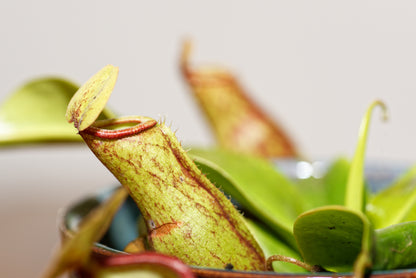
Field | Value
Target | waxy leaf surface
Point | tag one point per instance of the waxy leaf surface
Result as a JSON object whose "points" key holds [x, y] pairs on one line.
{"points": [[35, 112], [339, 238], [395, 247], [336, 181], [395, 204], [256, 185], [271, 244], [328, 189], [335, 238]]}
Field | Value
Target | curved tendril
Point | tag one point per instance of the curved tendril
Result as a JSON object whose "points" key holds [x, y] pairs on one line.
{"points": [[355, 185], [281, 258], [98, 129]]}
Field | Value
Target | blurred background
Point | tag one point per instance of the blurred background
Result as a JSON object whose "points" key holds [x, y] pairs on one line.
{"points": [[314, 66]]}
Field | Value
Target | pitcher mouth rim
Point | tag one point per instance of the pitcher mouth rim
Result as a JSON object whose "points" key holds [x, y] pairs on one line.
{"points": [[127, 126]]}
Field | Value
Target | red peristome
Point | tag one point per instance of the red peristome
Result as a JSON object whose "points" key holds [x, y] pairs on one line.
{"points": [[152, 259], [98, 129]]}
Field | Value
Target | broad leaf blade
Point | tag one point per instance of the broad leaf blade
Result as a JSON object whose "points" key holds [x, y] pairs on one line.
{"points": [[395, 247], [336, 181], [396, 203], [328, 189], [256, 185], [272, 245], [35, 112], [335, 238]]}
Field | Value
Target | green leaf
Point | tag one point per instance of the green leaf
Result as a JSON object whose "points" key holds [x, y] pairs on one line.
{"points": [[75, 252], [395, 247], [355, 194], [338, 238], [335, 238], [328, 189], [336, 181], [272, 245], [88, 102], [256, 185], [36, 113], [395, 204]]}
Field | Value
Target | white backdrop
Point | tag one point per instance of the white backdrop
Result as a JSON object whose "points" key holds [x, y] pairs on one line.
{"points": [[313, 65]]}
